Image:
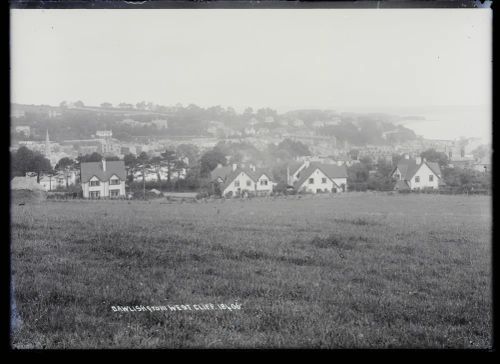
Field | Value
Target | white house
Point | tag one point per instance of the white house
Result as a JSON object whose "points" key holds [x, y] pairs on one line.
{"points": [[315, 177], [415, 174], [103, 179], [238, 180]]}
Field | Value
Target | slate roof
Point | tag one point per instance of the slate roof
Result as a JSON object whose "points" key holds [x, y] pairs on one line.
{"points": [[330, 170], [222, 172], [90, 169]]}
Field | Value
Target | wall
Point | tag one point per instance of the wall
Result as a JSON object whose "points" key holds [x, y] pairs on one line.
{"points": [[423, 172]]}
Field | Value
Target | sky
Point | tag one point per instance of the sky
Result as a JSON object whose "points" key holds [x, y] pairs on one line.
{"points": [[284, 59]]}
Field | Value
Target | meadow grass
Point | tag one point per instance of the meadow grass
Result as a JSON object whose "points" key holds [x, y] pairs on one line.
{"points": [[343, 271]]}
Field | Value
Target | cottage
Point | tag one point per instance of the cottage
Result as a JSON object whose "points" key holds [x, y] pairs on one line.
{"points": [[415, 174], [103, 179], [315, 177], [238, 180]]}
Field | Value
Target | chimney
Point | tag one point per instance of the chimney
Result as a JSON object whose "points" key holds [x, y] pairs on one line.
{"points": [[418, 160], [288, 182], [406, 156], [104, 165], [339, 163], [235, 166], [307, 163], [219, 165], [252, 167]]}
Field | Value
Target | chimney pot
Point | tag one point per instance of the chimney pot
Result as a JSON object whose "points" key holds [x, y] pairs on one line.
{"points": [[104, 164]]}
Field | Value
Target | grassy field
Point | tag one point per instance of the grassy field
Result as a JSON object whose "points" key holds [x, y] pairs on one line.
{"points": [[352, 270]]}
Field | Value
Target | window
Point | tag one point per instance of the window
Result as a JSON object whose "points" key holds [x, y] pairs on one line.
{"points": [[431, 178], [311, 181], [236, 183], [417, 179], [263, 182], [249, 183], [95, 194], [114, 193], [95, 183], [323, 180], [114, 181]]}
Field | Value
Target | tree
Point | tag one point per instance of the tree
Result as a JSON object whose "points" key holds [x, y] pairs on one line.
{"points": [[466, 179], [106, 105], [358, 176], [94, 157], [156, 162], [65, 163], [25, 160], [210, 160], [367, 162], [288, 149], [179, 165], [141, 105], [432, 155], [79, 103], [481, 152], [395, 159], [169, 158], [130, 160], [190, 151]]}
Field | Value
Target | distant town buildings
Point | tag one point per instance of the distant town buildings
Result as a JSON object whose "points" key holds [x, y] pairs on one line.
{"points": [[25, 130]]}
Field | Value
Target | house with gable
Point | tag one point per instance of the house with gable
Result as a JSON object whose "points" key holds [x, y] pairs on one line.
{"points": [[105, 179], [415, 174], [316, 177], [237, 180]]}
